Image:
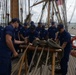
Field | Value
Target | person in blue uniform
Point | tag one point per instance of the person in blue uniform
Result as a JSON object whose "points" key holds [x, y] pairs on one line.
{"points": [[24, 31], [1, 31], [43, 33], [39, 27], [17, 37], [32, 23], [7, 47], [52, 31], [32, 35], [65, 42]]}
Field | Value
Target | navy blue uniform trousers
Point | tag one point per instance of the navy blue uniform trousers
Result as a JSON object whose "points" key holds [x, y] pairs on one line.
{"points": [[64, 62], [5, 66]]}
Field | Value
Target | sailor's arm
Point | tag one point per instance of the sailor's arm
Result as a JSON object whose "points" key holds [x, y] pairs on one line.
{"points": [[18, 42], [64, 45], [10, 44]]}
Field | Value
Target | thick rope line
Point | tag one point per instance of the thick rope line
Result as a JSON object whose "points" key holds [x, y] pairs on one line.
{"points": [[38, 61], [46, 62], [17, 65], [32, 59]]}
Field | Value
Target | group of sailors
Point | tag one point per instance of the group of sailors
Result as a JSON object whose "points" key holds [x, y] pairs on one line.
{"points": [[34, 32], [15, 33]]}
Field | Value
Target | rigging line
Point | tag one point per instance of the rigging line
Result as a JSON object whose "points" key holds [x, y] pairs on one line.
{"points": [[19, 62], [47, 57], [33, 4], [69, 7], [63, 8], [55, 11], [43, 9], [3, 12], [57, 18], [38, 61], [32, 60], [58, 11], [35, 1], [38, 18], [73, 12], [47, 14], [31, 9]]}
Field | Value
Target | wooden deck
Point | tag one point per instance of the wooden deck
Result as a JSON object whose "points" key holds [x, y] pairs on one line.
{"points": [[46, 70], [72, 66]]}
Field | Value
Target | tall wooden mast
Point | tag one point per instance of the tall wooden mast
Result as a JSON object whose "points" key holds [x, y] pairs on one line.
{"points": [[14, 8]]}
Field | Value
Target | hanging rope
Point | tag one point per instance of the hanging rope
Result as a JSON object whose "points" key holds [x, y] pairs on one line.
{"points": [[19, 62], [21, 10], [43, 8], [32, 60], [47, 57], [55, 11], [38, 62]]}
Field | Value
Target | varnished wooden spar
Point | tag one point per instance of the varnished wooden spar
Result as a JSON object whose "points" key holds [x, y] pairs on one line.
{"points": [[51, 50], [14, 8], [40, 48]]}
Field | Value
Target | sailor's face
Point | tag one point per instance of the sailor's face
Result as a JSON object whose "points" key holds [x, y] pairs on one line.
{"points": [[16, 24], [32, 31]]}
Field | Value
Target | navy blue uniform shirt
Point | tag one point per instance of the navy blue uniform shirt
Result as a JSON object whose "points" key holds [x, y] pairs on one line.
{"points": [[24, 31], [43, 34], [32, 35], [16, 33], [65, 37], [51, 32], [4, 50], [38, 29]]}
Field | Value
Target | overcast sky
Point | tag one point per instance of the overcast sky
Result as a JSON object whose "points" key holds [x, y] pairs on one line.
{"points": [[36, 11], [70, 4]]}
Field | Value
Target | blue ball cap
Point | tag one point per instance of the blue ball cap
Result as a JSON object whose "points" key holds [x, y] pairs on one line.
{"points": [[60, 26], [32, 27], [52, 23], [32, 22], [25, 24], [39, 23], [15, 20]]}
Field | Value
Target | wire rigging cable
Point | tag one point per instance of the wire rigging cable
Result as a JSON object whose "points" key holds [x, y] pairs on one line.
{"points": [[38, 62], [32, 60]]}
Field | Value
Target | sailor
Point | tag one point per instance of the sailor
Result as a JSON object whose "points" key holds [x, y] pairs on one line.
{"points": [[17, 37], [7, 47], [65, 42], [43, 33], [24, 31], [32, 23], [39, 27], [32, 35], [52, 31]]}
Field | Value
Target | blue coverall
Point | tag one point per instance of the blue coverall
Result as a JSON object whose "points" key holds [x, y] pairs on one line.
{"points": [[17, 38], [65, 37], [31, 37], [52, 32], [43, 34], [5, 52], [38, 29]]}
